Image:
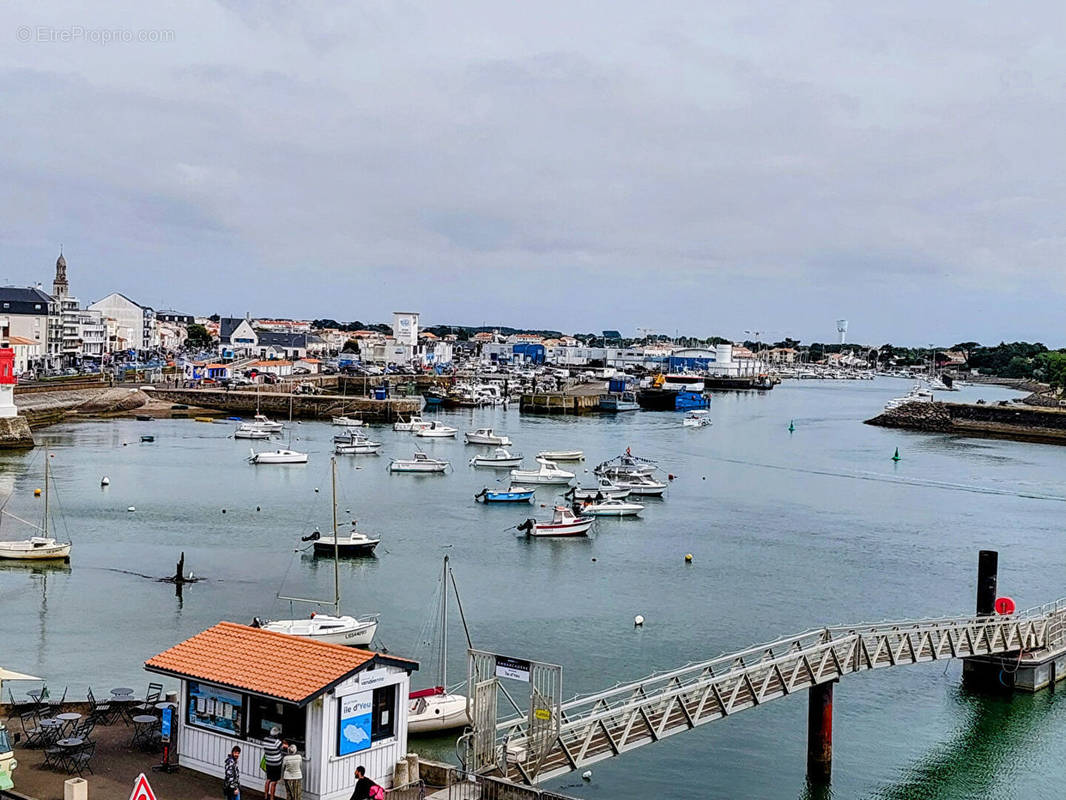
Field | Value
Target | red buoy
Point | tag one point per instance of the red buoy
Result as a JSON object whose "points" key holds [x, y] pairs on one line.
{"points": [[1004, 605]]}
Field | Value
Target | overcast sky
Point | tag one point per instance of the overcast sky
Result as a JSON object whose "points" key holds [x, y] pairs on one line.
{"points": [[700, 167]]}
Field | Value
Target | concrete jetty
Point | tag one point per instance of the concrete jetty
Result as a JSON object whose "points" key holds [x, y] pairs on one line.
{"points": [[1010, 421], [304, 406]]}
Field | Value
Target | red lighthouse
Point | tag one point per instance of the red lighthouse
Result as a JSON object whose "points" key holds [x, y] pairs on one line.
{"points": [[7, 381]]}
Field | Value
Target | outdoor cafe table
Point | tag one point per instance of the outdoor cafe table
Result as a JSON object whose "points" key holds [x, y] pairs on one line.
{"points": [[143, 724], [54, 728], [69, 720], [122, 691]]}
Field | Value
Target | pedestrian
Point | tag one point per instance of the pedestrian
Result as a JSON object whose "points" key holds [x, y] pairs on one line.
{"points": [[231, 776], [366, 789], [272, 762], [292, 773]]}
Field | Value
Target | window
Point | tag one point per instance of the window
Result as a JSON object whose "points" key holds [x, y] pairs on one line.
{"points": [[213, 708], [264, 714], [383, 719]]}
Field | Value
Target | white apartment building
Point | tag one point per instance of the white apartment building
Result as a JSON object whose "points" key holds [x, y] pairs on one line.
{"points": [[134, 323]]}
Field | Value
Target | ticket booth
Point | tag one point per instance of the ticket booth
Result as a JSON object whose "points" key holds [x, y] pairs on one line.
{"points": [[342, 707]]}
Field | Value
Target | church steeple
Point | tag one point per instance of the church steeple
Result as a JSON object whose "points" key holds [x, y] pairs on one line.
{"points": [[59, 285]]}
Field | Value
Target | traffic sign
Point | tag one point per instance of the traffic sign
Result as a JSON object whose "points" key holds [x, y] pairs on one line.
{"points": [[141, 789]]}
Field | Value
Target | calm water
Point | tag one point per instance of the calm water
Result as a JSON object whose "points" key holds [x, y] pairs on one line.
{"points": [[788, 532]]}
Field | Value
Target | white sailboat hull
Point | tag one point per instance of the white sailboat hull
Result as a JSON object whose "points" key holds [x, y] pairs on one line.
{"points": [[279, 457], [440, 712], [562, 455], [327, 628], [34, 549]]}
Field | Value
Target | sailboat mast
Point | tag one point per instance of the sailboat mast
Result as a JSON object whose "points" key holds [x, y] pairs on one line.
{"points": [[336, 545], [45, 494], [444, 625]]}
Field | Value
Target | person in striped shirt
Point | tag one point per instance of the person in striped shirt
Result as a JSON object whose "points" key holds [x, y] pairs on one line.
{"points": [[272, 757]]}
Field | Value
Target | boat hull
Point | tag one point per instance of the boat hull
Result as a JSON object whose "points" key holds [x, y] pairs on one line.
{"points": [[496, 463], [360, 634], [424, 468], [57, 552], [491, 441], [324, 548], [542, 480], [668, 400], [437, 713], [547, 529], [505, 497], [562, 455]]}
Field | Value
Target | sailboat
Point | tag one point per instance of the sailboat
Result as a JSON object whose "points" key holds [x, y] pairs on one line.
{"points": [[436, 709], [331, 628], [37, 548]]}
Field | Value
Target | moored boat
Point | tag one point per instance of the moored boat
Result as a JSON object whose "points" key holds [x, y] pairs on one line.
{"points": [[353, 543], [437, 430], [486, 436], [247, 431], [500, 457], [562, 455], [414, 423], [347, 422], [513, 494], [611, 508], [696, 419], [642, 485], [37, 548], [419, 463], [563, 523], [548, 473], [279, 456], [604, 489]]}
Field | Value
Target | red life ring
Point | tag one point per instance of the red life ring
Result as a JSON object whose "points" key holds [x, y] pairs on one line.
{"points": [[1004, 605]]}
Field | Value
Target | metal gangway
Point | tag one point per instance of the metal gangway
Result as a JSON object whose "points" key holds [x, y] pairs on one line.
{"points": [[595, 727]]}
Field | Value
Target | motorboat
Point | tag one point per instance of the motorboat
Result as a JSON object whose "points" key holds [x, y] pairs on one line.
{"points": [[419, 463], [696, 419], [353, 543], [626, 465], [437, 431], [147, 437], [265, 424], [279, 456], [499, 458], [348, 422], [486, 436], [611, 508], [246, 431], [548, 473], [356, 445], [564, 522], [43, 547], [332, 628], [414, 423], [562, 455], [605, 489], [919, 394], [512, 494], [346, 436], [438, 708], [642, 485], [617, 402]]}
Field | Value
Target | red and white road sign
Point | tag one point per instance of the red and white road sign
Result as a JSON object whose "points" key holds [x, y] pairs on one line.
{"points": [[141, 789]]}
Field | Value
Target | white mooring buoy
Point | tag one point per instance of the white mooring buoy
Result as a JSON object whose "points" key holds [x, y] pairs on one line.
{"points": [[132, 508], [105, 481], [586, 775], [638, 620]]}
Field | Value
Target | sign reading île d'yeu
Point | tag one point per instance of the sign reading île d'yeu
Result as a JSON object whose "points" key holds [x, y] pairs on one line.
{"points": [[353, 731]]}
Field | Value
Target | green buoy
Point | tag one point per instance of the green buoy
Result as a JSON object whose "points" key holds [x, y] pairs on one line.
{"points": [[791, 426], [897, 456]]}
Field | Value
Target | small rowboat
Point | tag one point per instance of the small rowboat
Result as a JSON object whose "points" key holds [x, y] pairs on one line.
{"points": [[564, 523], [562, 455], [513, 494]]}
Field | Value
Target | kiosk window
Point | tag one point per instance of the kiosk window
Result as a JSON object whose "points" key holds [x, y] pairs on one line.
{"points": [[264, 714], [215, 709], [383, 721]]}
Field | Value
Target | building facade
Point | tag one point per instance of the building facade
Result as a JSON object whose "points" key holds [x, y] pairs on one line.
{"points": [[134, 324]]}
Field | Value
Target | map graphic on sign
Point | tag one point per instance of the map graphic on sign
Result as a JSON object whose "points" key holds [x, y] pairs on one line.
{"points": [[354, 727], [141, 789]]}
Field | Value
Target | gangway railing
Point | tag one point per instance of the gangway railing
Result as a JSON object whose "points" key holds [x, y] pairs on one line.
{"points": [[605, 724]]}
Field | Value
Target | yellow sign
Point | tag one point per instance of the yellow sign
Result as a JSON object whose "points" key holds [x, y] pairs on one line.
{"points": [[542, 713]]}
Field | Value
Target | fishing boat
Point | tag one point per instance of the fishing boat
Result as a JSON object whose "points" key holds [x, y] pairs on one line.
{"points": [[353, 543], [500, 457], [548, 473], [642, 485], [279, 456], [37, 548], [419, 463], [611, 508], [626, 465], [247, 431], [696, 419], [620, 397], [355, 444], [562, 455], [512, 494], [414, 423], [437, 431], [486, 436], [147, 437], [605, 489], [332, 628], [265, 424], [564, 522], [438, 709], [347, 422]]}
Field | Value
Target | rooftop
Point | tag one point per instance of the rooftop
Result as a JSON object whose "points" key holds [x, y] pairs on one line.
{"points": [[275, 665]]}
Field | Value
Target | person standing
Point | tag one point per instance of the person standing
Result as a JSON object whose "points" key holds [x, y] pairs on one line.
{"points": [[231, 776], [364, 786], [272, 763], [292, 774]]}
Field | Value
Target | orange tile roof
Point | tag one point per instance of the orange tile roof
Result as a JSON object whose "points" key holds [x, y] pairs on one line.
{"points": [[266, 663]]}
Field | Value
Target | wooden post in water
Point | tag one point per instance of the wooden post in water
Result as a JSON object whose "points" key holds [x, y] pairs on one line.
{"points": [[987, 578], [820, 732]]}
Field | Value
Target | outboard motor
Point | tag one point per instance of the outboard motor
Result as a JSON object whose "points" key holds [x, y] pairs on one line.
{"points": [[527, 526]]}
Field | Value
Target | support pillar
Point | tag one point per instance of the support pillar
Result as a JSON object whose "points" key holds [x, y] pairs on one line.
{"points": [[987, 578], [820, 732]]}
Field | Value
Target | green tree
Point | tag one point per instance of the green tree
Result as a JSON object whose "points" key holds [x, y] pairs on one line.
{"points": [[198, 337]]}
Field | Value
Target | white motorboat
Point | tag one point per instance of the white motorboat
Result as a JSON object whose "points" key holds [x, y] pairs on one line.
{"points": [[605, 489], [353, 543], [412, 424], [332, 628], [563, 523], [265, 424], [355, 443], [625, 466], [246, 431], [548, 473], [348, 422], [486, 436], [37, 548], [438, 709], [919, 394], [500, 458], [696, 419], [611, 508], [562, 455], [279, 456], [437, 431], [642, 485], [419, 463]]}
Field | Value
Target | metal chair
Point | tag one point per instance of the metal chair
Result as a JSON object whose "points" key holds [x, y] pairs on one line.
{"points": [[84, 728], [81, 760], [99, 712], [56, 706], [151, 697], [17, 707], [31, 729]]}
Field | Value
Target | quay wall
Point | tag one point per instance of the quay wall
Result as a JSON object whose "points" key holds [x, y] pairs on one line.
{"points": [[1014, 421], [306, 406]]}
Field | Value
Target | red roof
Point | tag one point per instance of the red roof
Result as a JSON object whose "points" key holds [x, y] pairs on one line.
{"points": [[266, 663]]}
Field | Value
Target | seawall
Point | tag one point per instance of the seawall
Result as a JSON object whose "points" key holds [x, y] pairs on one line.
{"points": [[1012, 421], [305, 406]]}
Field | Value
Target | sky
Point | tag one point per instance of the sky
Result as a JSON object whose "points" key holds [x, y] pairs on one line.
{"points": [[701, 168]]}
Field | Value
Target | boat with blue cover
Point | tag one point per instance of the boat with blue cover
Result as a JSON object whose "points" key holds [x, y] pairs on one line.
{"points": [[512, 494]]}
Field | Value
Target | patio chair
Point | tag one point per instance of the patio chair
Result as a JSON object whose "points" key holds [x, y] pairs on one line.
{"points": [[99, 712], [56, 756], [151, 697], [84, 729], [17, 707], [56, 706], [31, 729], [82, 760]]}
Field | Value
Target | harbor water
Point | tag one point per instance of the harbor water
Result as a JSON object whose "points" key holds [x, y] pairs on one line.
{"points": [[788, 531]]}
